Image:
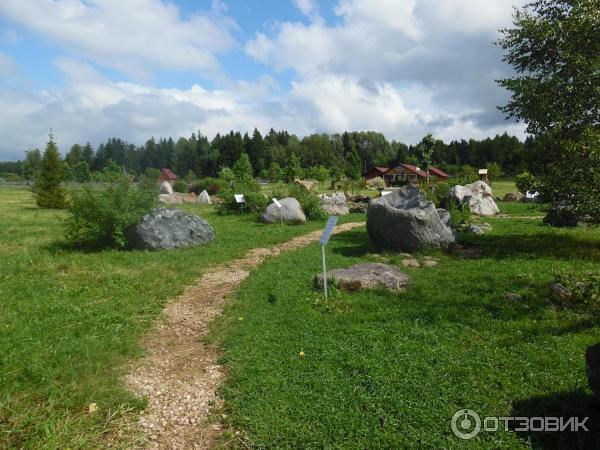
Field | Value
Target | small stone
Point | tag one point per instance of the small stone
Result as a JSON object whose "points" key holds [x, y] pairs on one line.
{"points": [[367, 276], [430, 263], [92, 408], [512, 296], [414, 264], [561, 292], [405, 255]]}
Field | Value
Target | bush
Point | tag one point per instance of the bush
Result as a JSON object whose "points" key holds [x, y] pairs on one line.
{"points": [[180, 186], [526, 183], [376, 183], [437, 193], [460, 213], [211, 185], [100, 218], [583, 289], [256, 201], [47, 188], [308, 200]]}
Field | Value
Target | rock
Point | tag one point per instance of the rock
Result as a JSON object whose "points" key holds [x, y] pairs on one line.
{"points": [[479, 228], [478, 196], [430, 258], [367, 276], [334, 204], [430, 263], [309, 185], [170, 199], [406, 255], [360, 208], [561, 292], [188, 198], [592, 365], [513, 197], [290, 210], [163, 229], [561, 214], [404, 221], [166, 188], [512, 296], [411, 263], [203, 198], [445, 216]]}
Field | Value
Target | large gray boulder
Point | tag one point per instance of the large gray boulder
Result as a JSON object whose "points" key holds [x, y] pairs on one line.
{"points": [[478, 196], [291, 211], [366, 276], [404, 221], [334, 204], [164, 229]]}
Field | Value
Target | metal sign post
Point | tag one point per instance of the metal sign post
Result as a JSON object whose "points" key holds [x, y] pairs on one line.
{"points": [[280, 209], [329, 226]]}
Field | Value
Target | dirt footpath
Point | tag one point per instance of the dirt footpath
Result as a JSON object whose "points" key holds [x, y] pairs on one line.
{"points": [[179, 374]]}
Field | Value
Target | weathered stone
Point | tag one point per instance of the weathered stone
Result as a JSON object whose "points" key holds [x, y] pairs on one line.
{"points": [[430, 263], [291, 211], [367, 276], [405, 221], [478, 196], [475, 229], [512, 296], [309, 185], [592, 365], [561, 214], [170, 199], [445, 216], [334, 204], [561, 292], [163, 229], [513, 197], [203, 198], [411, 263], [166, 188]]}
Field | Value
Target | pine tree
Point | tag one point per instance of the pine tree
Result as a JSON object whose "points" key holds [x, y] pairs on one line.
{"points": [[48, 188]]}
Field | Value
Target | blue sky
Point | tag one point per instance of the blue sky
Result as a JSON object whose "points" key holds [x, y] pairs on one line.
{"points": [[138, 68]]}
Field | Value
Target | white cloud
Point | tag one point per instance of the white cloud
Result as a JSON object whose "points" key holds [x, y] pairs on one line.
{"points": [[134, 36], [8, 66]]}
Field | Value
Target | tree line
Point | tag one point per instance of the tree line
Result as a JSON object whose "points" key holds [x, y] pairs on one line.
{"points": [[346, 154]]}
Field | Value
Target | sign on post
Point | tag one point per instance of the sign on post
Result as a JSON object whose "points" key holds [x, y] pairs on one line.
{"points": [[329, 226], [280, 209], [239, 198]]}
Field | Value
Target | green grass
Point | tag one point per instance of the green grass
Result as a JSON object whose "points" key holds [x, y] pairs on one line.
{"points": [[385, 370], [70, 319], [503, 187]]}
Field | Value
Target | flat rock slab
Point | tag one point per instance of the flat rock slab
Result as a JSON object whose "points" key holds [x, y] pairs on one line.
{"points": [[367, 276]]}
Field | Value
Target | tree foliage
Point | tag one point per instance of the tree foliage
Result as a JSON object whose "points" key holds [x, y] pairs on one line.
{"points": [[48, 189], [554, 47]]}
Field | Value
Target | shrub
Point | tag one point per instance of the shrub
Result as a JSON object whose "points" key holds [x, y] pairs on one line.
{"points": [[437, 193], [211, 185], [255, 199], [100, 218], [459, 213], [180, 186], [308, 200], [582, 289], [376, 183], [48, 189], [526, 182]]}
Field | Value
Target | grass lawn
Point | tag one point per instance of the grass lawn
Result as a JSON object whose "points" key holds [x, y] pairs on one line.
{"points": [[384, 370], [70, 319]]}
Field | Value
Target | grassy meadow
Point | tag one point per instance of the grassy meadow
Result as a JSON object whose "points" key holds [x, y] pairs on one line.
{"points": [[383, 370], [378, 369], [70, 319]]}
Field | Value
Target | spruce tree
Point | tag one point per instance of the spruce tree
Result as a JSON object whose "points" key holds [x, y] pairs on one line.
{"points": [[48, 189]]}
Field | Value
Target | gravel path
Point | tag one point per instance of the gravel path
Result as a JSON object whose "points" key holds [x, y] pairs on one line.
{"points": [[179, 374]]}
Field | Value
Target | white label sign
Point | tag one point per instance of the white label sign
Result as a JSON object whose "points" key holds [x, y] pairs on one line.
{"points": [[277, 203], [239, 198], [329, 226], [384, 193]]}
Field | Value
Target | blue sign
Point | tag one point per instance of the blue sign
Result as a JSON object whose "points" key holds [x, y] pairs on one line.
{"points": [[329, 226]]}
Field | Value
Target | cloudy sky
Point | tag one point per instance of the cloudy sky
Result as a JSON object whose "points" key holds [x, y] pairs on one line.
{"points": [[92, 69]]}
